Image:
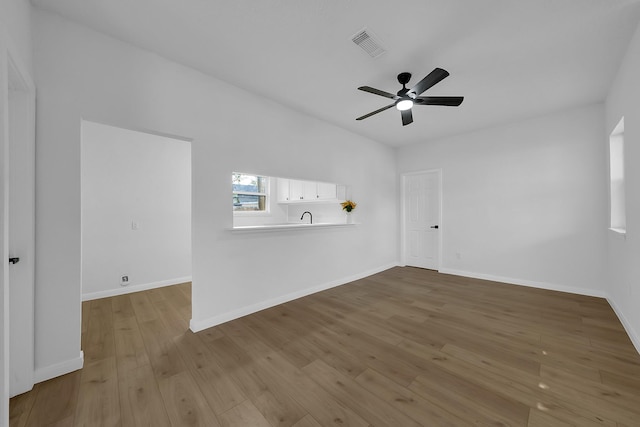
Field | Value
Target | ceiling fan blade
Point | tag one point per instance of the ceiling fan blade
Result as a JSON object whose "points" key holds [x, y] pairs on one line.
{"points": [[375, 112], [407, 117], [434, 77], [378, 92], [448, 101]]}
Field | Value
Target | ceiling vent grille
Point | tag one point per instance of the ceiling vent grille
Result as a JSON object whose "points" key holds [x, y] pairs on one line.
{"points": [[368, 43]]}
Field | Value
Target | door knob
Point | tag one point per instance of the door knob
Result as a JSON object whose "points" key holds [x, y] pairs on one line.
{"points": [[14, 260], [434, 226]]}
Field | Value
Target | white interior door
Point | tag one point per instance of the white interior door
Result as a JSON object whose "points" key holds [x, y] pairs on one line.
{"points": [[421, 218], [21, 231], [4, 246]]}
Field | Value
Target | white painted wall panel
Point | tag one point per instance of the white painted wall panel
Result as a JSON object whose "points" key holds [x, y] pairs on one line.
{"points": [[624, 250], [15, 21], [86, 75], [524, 202]]}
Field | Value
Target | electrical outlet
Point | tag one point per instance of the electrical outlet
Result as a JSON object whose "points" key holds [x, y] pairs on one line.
{"points": [[124, 280]]}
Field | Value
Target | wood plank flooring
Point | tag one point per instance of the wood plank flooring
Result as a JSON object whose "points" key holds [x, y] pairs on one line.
{"points": [[405, 347]]}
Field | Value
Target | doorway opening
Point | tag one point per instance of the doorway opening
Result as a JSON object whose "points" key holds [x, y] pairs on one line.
{"points": [[136, 210]]}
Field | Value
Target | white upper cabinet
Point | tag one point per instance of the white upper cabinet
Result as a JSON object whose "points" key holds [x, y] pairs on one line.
{"points": [[299, 191], [326, 191], [283, 190]]}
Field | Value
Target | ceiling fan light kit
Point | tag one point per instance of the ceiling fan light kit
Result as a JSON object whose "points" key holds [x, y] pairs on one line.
{"points": [[407, 98], [404, 104]]}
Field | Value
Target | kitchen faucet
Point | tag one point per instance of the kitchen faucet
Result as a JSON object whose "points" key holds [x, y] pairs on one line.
{"points": [[310, 216]]}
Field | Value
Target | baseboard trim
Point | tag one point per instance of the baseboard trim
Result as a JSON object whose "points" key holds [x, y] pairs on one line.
{"points": [[58, 369], [197, 325], [631, 332], [123, 290], [528, 283]]}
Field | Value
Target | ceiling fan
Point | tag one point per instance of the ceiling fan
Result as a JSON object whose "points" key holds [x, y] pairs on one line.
{"points": [[407, 98]]}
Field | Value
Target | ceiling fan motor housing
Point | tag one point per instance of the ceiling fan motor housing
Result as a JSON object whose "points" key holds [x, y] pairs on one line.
{"points": [[403, 78]]}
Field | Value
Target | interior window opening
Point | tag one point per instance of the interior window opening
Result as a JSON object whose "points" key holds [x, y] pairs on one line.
{"points": [[250, 192], [618, 217]]}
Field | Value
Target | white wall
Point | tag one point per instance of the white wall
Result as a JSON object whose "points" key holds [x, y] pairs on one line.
{"points": [[523, 203], [83, 74], [15, 30], [624, 251], [134, 177]]}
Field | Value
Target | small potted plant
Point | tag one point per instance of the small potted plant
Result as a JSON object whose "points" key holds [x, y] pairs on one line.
{"points": [[348, 206]]}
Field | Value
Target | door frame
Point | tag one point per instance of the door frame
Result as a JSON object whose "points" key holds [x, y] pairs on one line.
{"points": [[403, 228], [15, 78], [22, 169]]}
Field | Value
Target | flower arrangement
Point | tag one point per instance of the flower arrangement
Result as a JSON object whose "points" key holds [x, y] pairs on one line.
{"points": [[348, 205]]}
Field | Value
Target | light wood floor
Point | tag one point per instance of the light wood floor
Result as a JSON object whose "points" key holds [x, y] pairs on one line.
{"points": [[405, 347]]}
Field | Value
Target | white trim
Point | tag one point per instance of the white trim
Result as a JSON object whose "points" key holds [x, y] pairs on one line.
{"points": [[62, 368], [622, 231], [634, 336], [628, 327], [198, 325], [137, 129], [529, 283], [135, 288], [58, 369], [288, 226]]}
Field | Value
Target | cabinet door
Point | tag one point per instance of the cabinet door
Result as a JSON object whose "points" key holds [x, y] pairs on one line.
{"points": [[302, 190], [326, 191], [295, 190], [309, 190], [283, 190]]}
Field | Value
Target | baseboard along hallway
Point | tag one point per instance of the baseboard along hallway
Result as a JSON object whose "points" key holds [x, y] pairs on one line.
{"points": [[404, 347]]}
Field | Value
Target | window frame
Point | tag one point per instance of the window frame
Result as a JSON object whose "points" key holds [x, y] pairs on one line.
{"points": [[617, 180], [266, 194]]}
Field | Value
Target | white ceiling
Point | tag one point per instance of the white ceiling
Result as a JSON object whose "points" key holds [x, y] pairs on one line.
{"points": [[510, 59]]}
